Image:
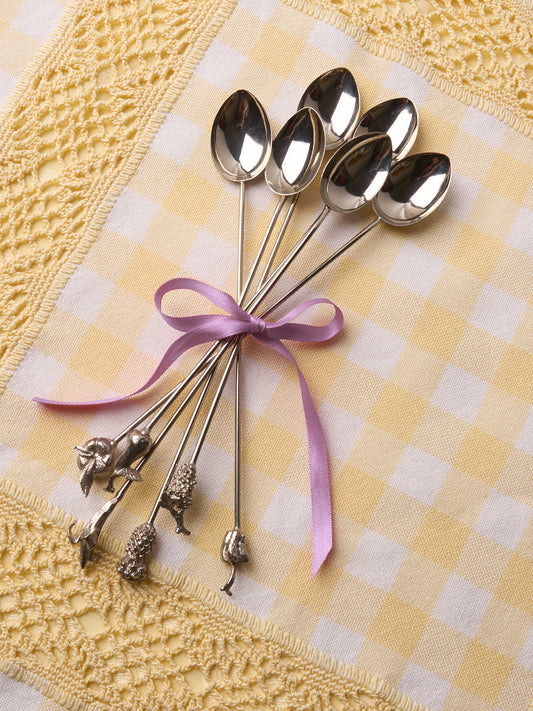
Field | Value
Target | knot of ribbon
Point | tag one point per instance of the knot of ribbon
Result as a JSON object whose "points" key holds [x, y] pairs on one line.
{"points": [[207, 328]]}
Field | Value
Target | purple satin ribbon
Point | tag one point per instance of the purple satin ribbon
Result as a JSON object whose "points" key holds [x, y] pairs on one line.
{"points": [[216, 327]]}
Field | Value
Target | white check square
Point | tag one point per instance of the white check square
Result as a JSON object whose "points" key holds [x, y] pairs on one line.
{"points": [[497, 312], [461, 196], [258, 384], [18, 696], [503, 519], [7, 455], [288, 515], [521, 234], [526, 654], [424, 687], [419, 475], [37, 18], [260, 8], [481, 125], [416, 269], [334, 639], [220, 65], [131, 215], [7, 82], [67, 495], [176, 138], [257, 598], [333, 42], [525, 438], [342, 429], [377, 349], [38, 374], [376, 559], [284, 102], [220, 468], [462, 605], [460, 393], [85, 294], [211, 259], [403, 81], [171, 548]]}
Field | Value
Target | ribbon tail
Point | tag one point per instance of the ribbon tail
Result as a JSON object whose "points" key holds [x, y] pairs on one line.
{"points": [[321, 513], [174, 351]]}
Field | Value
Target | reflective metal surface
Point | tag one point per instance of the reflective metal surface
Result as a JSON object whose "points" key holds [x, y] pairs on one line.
{"points": [[415, 186], [297, 153], [398, 118], [356, 172], [335, 97], [241, 137]]}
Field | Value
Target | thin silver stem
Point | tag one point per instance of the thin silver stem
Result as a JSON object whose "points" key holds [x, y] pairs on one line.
{"points": [[168, 399], [207, 373], [181, 447], [285, 264], [237, 465], [278, 241], [263, 246], [237, 454], [233, 354], [241, 238], [161, 406], [213, 407], [323, 265], [91, 532]]}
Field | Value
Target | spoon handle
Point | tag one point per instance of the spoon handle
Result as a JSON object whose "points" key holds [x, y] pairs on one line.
{"points": [[240, 257], [237, 398], [323, 265], [88, 538], [166, 401], [285, 264], [278, 241], [259, 255], [181, 447]]}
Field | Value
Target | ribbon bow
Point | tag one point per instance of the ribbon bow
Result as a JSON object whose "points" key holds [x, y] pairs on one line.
{"points": [[215, 327]]}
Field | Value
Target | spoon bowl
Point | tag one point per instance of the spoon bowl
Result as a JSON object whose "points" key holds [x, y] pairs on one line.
{"points": [[398, 118], [335, 97], [414, 188], [356, 172], [297, 153], [241, 137]]}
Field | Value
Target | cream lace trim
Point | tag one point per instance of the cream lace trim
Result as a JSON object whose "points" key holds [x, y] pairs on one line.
{"points": [[480, 51], [91, 640], [73, 134]]}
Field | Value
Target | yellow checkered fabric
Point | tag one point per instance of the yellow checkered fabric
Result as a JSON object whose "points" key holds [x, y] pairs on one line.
{"points": [[425, 396]]}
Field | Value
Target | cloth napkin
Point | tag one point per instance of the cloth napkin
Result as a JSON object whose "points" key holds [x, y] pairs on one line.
{"points": [[426, 600]]}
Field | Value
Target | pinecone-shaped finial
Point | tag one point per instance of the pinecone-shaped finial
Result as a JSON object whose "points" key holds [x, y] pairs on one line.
{"points": [[178, 494], [140, 545]]}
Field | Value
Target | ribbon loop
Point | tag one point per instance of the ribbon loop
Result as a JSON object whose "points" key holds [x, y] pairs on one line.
{"points": [[206, 328]]}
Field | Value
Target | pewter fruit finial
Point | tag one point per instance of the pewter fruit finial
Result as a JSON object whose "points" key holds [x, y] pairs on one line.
{"points": [[137, 445], [178, 494], [234, 552], [95, 459]]}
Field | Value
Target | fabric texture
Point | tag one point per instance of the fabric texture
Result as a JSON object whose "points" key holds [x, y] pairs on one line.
{"points": [[425, 396]]}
